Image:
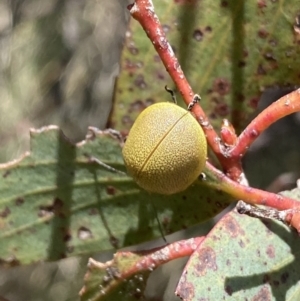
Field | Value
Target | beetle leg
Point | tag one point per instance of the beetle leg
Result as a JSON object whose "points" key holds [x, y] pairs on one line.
{"points": [[196, 99], [172, 93]]}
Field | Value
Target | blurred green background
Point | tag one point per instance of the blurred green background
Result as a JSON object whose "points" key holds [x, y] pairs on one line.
{"points": [[58, 63]]}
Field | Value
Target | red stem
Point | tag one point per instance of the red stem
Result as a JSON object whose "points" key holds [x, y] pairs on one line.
{"points": [[286, 105], [143, 12], [154, 258], [248, 194]]}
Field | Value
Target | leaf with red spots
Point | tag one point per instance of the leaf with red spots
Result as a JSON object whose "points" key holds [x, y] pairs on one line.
{"points": [[230, 52], [56, 203], [243, 258]]}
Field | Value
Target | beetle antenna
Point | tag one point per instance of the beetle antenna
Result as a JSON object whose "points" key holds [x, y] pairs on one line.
{"points": [[172, 93], [196, 99], [158, 222], [92, 159]]}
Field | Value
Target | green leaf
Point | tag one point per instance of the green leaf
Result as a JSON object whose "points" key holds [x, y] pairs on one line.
{"points": [[244, 258], [55, 202], [230, 52]]}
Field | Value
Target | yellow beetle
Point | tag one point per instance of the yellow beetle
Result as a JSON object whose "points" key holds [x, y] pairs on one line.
{"points": [[166, 149]]}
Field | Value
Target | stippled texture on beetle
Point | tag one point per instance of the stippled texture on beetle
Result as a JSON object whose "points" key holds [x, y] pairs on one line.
{"points": [[166, 149]]}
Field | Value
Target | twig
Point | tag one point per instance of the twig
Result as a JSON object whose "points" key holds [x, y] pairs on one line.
{"points": [[286, 105]]}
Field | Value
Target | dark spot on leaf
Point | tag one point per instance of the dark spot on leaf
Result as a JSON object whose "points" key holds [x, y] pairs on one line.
{"points": [[258, 252], [284, 277], [208, 29], [262, 33], [185, 290], [130, 67], [110, 190], [270, 251], [263, 294], [289, 53], [5, 212], [160, 76], [253, 102], [57, 204], [126, 120], [45, 212], [149, 102], [198, 35], [273, 42], [221, 86], [222, 109], [241, 64], [140, 82], [224, 3], [269, 56], [206, 261], [55, 208], [213, 116], [228, 290], [84, 233], [133, 50], [67, 237], [228, 262], [232, 227], [114, 242], [137, 106], [6, 173], [19, 201], [241, 243], [218, 204], [266, 278]]}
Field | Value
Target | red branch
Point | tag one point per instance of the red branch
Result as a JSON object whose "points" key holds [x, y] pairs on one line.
{"points": [[154, 258], [286, 105], [127, 264], [249, 194], [143, 12], [254, 196]]}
